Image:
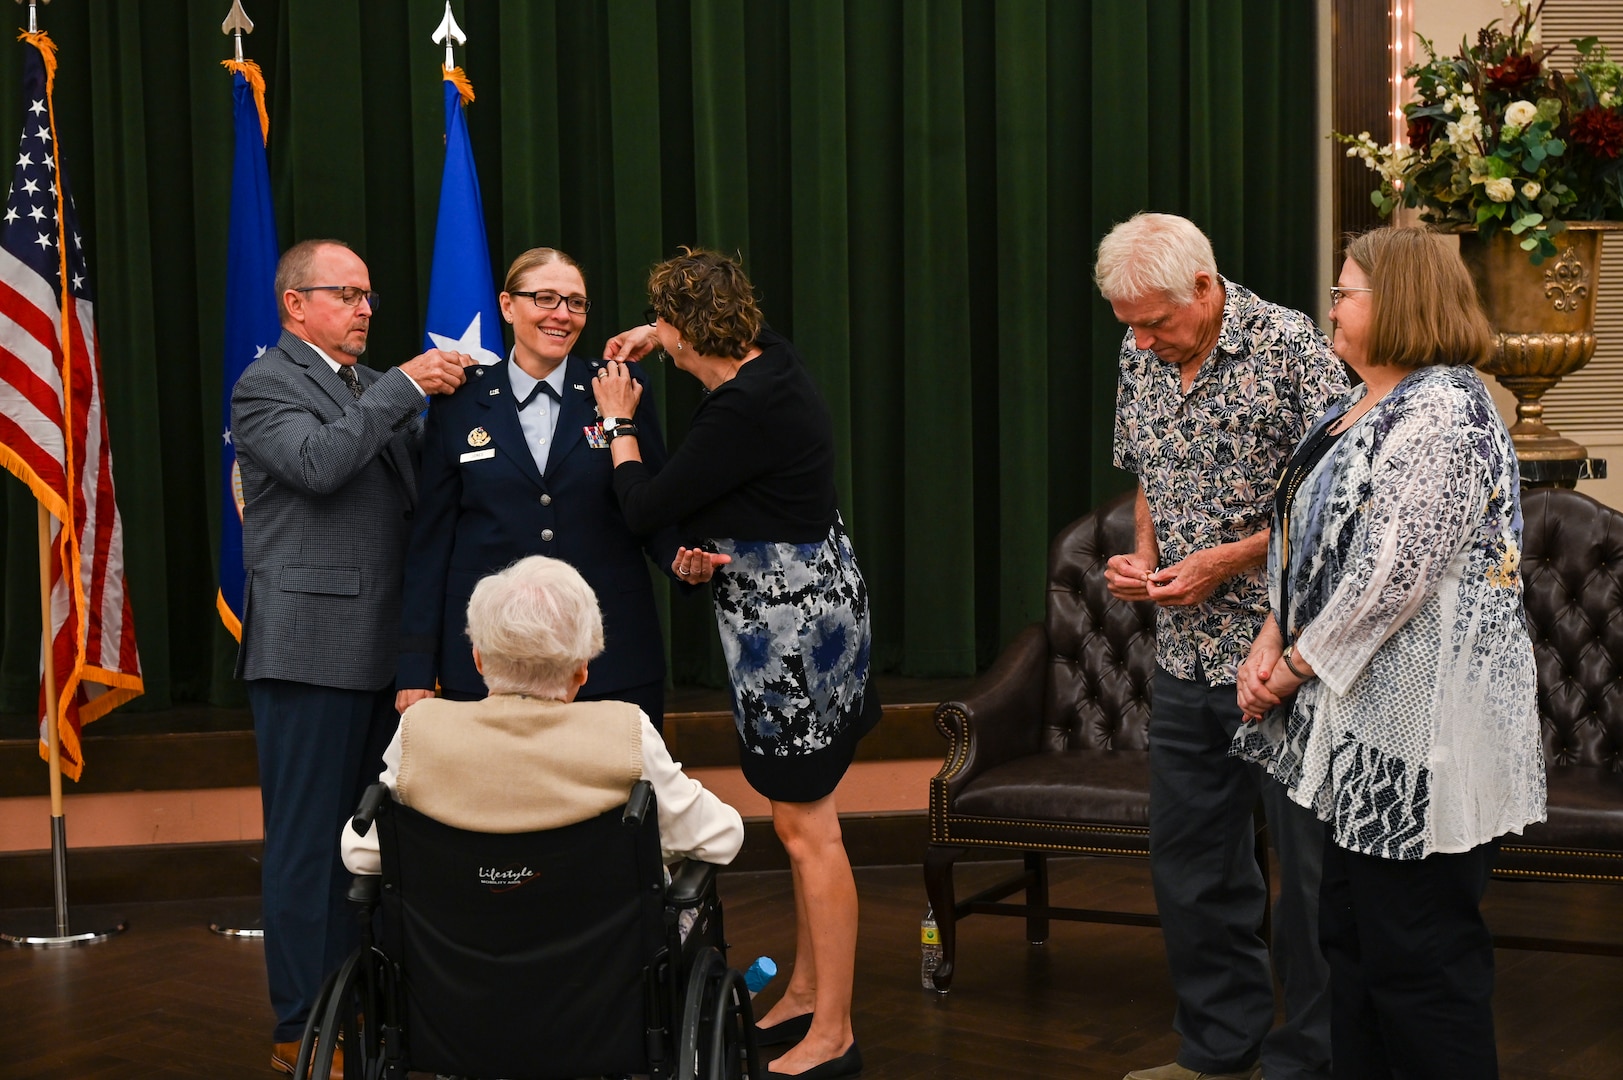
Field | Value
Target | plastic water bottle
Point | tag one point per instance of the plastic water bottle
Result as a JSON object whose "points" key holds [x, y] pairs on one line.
{"points": [[760, 973], [930, 949]]}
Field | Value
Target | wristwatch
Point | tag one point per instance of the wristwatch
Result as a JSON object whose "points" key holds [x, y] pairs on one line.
{"points": [[615, 426]]}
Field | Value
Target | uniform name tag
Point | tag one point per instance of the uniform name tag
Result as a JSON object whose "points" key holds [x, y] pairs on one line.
{"points": [[479, 455]]}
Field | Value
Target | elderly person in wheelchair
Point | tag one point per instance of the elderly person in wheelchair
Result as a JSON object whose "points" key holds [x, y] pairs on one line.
{"points": [[529, 756], [526, 923]]}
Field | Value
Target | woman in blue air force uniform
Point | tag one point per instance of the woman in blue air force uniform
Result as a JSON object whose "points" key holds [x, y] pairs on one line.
{"points": [[515, 464]]}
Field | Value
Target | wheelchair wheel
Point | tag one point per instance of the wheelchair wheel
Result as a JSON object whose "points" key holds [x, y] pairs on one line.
{"points": [[716, 1041], [348, 1010], [307, 1041]]}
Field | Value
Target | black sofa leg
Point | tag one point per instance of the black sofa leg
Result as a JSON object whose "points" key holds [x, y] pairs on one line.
{"points": [[1037, 897], [938, 887]]}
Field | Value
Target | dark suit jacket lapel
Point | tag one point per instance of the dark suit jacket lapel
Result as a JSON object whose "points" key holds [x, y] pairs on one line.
{"points": [[498, 415], [578, 412]]}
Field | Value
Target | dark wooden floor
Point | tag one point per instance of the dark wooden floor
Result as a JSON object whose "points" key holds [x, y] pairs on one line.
{"points": [[168, 999]]}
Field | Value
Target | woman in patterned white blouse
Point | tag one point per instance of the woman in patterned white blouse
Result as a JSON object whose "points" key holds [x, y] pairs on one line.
{"points": [[1394, 686]]}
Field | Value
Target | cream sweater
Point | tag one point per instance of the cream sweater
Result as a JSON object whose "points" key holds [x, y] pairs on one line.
{"points": [[511, 763]]}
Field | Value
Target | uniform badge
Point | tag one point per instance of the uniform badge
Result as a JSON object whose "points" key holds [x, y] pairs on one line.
{"points": [[478, 437], [595, 437]]}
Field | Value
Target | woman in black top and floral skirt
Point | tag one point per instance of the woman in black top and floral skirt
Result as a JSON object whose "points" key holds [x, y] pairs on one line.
{"points": [[754, 480]]}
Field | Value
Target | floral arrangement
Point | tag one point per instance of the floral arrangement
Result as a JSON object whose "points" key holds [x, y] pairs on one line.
{"points": [[1499, 137]]}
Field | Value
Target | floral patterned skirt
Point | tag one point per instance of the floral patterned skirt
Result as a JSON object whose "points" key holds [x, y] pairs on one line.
{"points": [[795, 632]]}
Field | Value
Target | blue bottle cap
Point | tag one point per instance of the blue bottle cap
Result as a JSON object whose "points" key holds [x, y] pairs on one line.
{"points": [[760, 973]]}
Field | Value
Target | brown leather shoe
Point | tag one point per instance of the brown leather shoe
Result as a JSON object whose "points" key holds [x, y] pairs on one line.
{"points": [[285, 1055]]}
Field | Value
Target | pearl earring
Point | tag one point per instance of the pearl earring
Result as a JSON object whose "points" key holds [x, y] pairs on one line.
{"points": [[678, 344]]}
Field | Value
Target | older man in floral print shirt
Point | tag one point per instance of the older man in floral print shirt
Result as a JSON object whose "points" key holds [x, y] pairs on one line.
{"points": [[1216, 388]]}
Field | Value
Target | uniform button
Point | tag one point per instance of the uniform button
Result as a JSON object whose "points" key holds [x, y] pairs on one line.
{"points": [[546, 500], [546, 534]]}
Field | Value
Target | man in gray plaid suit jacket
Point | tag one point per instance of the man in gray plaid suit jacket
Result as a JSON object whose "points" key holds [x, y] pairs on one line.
{"points": [[326, 449]]}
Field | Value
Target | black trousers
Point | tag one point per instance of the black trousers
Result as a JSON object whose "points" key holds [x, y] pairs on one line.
{"points": [[1210, 894], [318, 750], [1411, 965]]}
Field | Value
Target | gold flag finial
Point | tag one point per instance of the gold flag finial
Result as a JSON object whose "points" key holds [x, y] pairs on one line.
{"points": [[237, 23]]}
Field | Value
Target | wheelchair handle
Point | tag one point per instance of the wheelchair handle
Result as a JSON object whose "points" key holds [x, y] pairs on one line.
{"points": [[372, 798], [637, 804]]}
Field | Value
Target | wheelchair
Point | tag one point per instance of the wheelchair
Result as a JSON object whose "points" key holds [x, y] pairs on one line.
{"points": [[533, 956]]}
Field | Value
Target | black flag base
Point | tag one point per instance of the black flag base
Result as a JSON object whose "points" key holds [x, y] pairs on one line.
{"points": [[239, 921], [53, 928], [38, 928]]}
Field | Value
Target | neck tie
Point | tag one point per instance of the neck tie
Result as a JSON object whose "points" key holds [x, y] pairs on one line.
{"points": [[351, 380], [541, 387]]}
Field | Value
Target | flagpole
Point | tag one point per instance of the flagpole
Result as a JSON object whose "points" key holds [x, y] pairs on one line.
{"points": [[36, 931], [53, 738], [240, 919], [54, 930], [462, 311]]}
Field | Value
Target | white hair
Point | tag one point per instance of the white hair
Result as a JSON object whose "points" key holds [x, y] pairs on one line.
{"points": [[534, 624], [1153, 253]]}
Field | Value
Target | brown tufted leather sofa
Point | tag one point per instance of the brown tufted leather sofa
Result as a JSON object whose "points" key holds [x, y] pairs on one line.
{"points": [[1572, 573], [1049, 752]]}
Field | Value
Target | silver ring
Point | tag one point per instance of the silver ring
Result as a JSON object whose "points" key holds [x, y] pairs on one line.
{"points": [[682, 571]]}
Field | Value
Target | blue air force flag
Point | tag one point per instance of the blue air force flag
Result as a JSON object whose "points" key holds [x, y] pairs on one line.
{"points": [[461, 294], [251, 321]]}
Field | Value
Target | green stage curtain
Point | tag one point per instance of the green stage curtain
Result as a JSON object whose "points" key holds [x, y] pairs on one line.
{"points": [[916, 186]]}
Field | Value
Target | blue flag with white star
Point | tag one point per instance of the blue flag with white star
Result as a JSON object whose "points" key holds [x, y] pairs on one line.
{"points": [[461, 293], [252, 323]]}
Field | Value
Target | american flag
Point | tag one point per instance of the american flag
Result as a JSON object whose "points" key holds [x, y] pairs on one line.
{"points": [[48, 354]]}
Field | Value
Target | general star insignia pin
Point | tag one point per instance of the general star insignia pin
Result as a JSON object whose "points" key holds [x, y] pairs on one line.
{"points": [[478, 437]]}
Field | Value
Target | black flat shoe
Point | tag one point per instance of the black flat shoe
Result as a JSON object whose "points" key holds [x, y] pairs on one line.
{"points": [[847, 1066], [790, 1031]]}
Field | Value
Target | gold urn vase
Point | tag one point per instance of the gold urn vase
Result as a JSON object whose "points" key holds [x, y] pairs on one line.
{"points": [[1545, 319]]}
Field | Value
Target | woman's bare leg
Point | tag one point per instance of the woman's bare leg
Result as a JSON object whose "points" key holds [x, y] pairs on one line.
{"points": [[826, 913], [800, 995]]}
